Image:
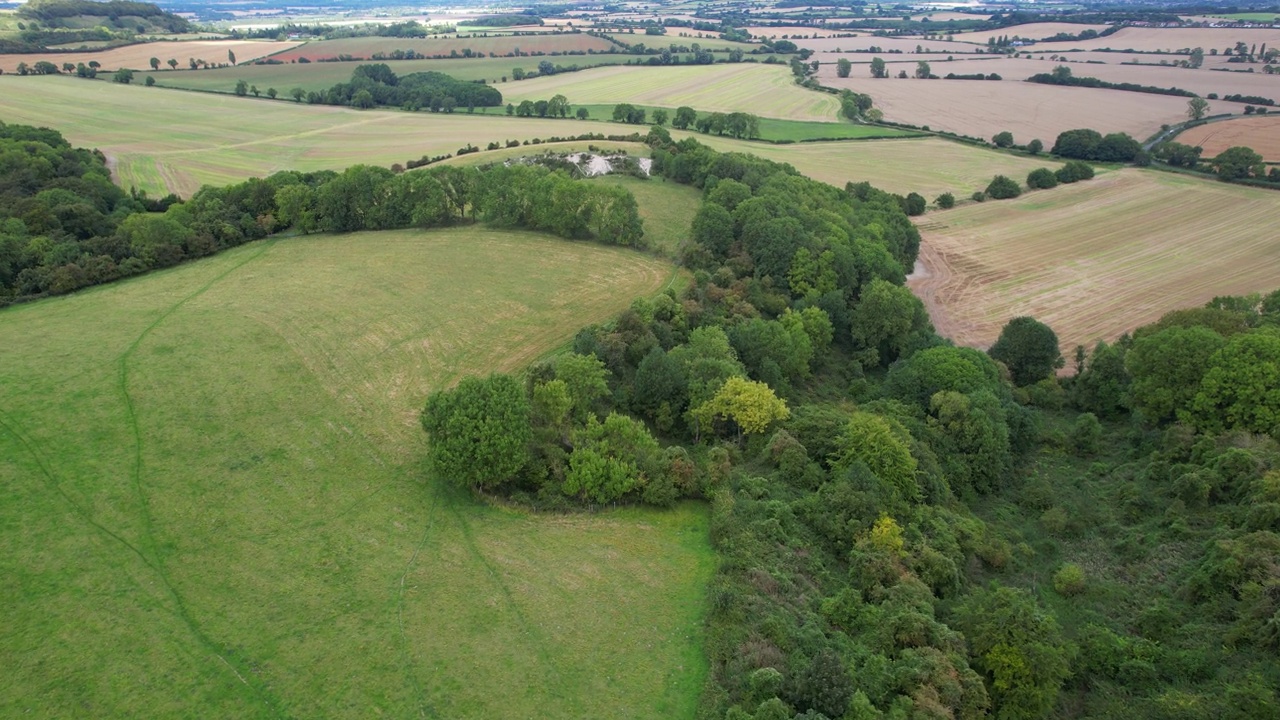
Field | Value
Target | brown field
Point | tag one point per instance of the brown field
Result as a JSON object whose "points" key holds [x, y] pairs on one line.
{"points": [[1201, 82], [1172, 39], [1154, 241], [501, 45], [984, 108], [1030, 31], [137, 57], [1260, 132], [906, 45]]}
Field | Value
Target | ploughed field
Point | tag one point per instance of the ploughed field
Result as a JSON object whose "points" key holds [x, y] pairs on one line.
{"points": [[1097, 258], [215, 496]]}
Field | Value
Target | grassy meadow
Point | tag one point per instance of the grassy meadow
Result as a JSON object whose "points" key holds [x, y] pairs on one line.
{"points": [[929, 166], [667, 209], [215, 496], [161, 140], [764, 90], [1152, 242]]}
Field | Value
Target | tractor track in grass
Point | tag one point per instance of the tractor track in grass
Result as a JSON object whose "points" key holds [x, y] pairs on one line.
{"points": [[156, 563]]}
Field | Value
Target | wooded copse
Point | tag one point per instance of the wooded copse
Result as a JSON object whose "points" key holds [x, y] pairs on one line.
{"points": [[862, 572], [376, 85], [65, 226]]}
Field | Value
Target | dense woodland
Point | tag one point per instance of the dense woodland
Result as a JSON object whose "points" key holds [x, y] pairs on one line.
{"points": [[908, 529]]}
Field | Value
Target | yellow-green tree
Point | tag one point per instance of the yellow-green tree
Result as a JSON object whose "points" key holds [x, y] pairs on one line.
{"points": [[751, 405]]}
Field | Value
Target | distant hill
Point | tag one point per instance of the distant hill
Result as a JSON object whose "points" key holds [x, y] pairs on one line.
{"points": [[122, 15]]}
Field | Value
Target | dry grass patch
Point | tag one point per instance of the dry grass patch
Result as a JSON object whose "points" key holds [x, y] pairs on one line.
{"points": [[138, 57], [1097, 258], [1260, 132]]}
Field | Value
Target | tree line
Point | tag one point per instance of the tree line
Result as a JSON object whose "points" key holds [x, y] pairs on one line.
{"points": [[376, 85], [64, 225], [1061, 75]]}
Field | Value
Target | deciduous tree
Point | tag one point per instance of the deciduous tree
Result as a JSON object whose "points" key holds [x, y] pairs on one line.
{"points": [[479, 431]]}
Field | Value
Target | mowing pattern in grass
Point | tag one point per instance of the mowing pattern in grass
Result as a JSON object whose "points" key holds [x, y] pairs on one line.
{"points": [[928, 166], [215, 499], [1097, 258], [163, 140], [765, 90]]}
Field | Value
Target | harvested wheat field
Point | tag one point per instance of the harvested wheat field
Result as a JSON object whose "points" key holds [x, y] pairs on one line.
{"points": [[1095, 259], [1171, 39], [1260, 132], [1030, 31], [1201, 82], [138, 57], [865, 41], [984, 108]]}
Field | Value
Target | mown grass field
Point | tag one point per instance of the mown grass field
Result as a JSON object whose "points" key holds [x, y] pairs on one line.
{"points": [[322, 76], [667, 209], [161, 140], [216, 503], [764, 90], [138, 57], [928, 166], [1097, 258]]}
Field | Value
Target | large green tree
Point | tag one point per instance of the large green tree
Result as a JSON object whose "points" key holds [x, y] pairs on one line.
{"points": [[1029, 348], [479, 431], [1167, 367], [1241, 388]]}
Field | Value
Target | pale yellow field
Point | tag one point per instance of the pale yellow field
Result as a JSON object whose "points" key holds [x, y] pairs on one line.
{"points": [[1030, 31], [928, 166], [1173, 39], [906, 45], [984, 108], [1202, 81], [765, 90], [1097, 258], [161, 140], [1260, 132], [138, 57]]}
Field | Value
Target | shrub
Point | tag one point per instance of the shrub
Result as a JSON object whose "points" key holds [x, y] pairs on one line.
{"points": [[946, 201], [979, 196], [1003, 139], [1074, 171], [1069, 580], [1042, 179], [1086, 435], [1003, 188], [914, 204]]}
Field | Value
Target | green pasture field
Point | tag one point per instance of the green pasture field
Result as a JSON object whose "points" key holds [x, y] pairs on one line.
{"points": [[764, 90], [929, 166], [160, 140], [1251, 16], [667, 209], [216, 504], [322, 76], [500, 44]]}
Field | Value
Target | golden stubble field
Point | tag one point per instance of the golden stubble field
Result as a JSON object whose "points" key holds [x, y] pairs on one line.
{"points": [[1097, 258], [1028, 110], [1260, 132], [1170, 39], [138, 57]]}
